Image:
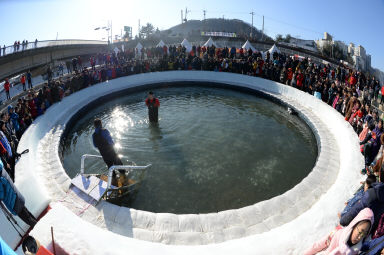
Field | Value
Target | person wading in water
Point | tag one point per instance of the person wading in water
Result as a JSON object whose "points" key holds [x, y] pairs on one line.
{"points": [[102, 140], [153, 105]]}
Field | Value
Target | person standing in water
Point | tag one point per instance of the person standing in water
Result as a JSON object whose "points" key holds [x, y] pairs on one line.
{"points": [[153, 105], [102, 140]]}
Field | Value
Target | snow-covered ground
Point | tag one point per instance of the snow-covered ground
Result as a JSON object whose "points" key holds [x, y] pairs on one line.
{"points": [[286, 224], [17, 87]]}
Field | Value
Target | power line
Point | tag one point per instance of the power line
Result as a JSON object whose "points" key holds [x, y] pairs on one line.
{"points": [[263, 16], [289, 24]]}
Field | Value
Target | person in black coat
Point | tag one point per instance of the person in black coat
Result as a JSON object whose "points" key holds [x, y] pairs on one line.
{"points": [[372, 198]]}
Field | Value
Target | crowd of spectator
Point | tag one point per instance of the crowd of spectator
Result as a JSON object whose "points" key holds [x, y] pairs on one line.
{"points": [[350, 92]]}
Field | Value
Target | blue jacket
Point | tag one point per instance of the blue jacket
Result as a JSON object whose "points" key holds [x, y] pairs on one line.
{"points": [[359, 194], [105, 134], [7, 193], [373, 198], [376, 142], [14, 118], [373, 247], [5, 249]]}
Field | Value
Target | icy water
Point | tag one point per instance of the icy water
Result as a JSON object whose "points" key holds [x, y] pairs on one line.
{"points": [[213, 149]]}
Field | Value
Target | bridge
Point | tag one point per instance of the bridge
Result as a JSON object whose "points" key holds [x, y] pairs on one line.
{"points": [[17, 59]]}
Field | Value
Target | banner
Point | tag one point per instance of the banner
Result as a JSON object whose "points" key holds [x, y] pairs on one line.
{"points": [[222, 34]]}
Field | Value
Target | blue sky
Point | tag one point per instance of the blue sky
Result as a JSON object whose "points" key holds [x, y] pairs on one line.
{"points": [[360, 22]]}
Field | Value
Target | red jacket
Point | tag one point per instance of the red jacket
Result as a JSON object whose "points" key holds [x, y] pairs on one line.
{"points": [[2, 149], [6, 86], [22, 79], [299, 79], [156, 104], [352, 80], [290, 74]]}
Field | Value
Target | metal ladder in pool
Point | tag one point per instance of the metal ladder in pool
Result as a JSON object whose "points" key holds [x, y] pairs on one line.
{"points": [[95, 187]]}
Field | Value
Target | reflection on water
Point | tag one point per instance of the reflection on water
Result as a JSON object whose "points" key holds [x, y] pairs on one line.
{"points": [[156, 135], [212, 150]]}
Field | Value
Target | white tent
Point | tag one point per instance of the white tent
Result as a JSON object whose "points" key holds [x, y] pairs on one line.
{"points": [[139, 46], [138, 49], [209, 43], [274, 49], [247, 45], [187, 45], [160, 44]]}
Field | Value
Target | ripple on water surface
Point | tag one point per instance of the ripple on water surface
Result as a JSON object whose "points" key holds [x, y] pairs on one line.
{"points": [[214, 149]]}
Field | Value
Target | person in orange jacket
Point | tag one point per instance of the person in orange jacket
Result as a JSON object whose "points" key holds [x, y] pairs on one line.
{"points": [[299, 80], [289, 76], [153, 105], [7, 86], [22, 81]]}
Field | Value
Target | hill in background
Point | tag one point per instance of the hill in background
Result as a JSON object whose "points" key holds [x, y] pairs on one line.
{"points": [[193, 28]]}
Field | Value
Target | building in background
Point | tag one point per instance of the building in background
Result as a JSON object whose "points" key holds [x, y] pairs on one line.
{"points": [[357, 54], [327, 37]]}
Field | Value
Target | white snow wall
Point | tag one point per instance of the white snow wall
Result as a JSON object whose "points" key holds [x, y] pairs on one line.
{"points": [[317, 198]]}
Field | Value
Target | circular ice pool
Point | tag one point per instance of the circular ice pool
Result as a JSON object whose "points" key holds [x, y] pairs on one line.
{"points": [[214, 149]]}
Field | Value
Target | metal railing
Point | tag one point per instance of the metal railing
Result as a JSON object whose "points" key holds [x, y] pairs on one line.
{"points": [[83, 161], [48, 43], [112, 169]]}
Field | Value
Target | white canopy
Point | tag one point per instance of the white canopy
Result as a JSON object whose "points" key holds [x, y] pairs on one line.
{"points": [[247, 45], [160, 44], [138, 49], [274, 49], [209, 43], [187, 45], [139, 46]]}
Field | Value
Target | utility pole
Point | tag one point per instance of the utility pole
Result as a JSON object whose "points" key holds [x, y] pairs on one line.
{"points": [[262, 33], [186, 13], [204, 12], [139, 30], [252, 13]]}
